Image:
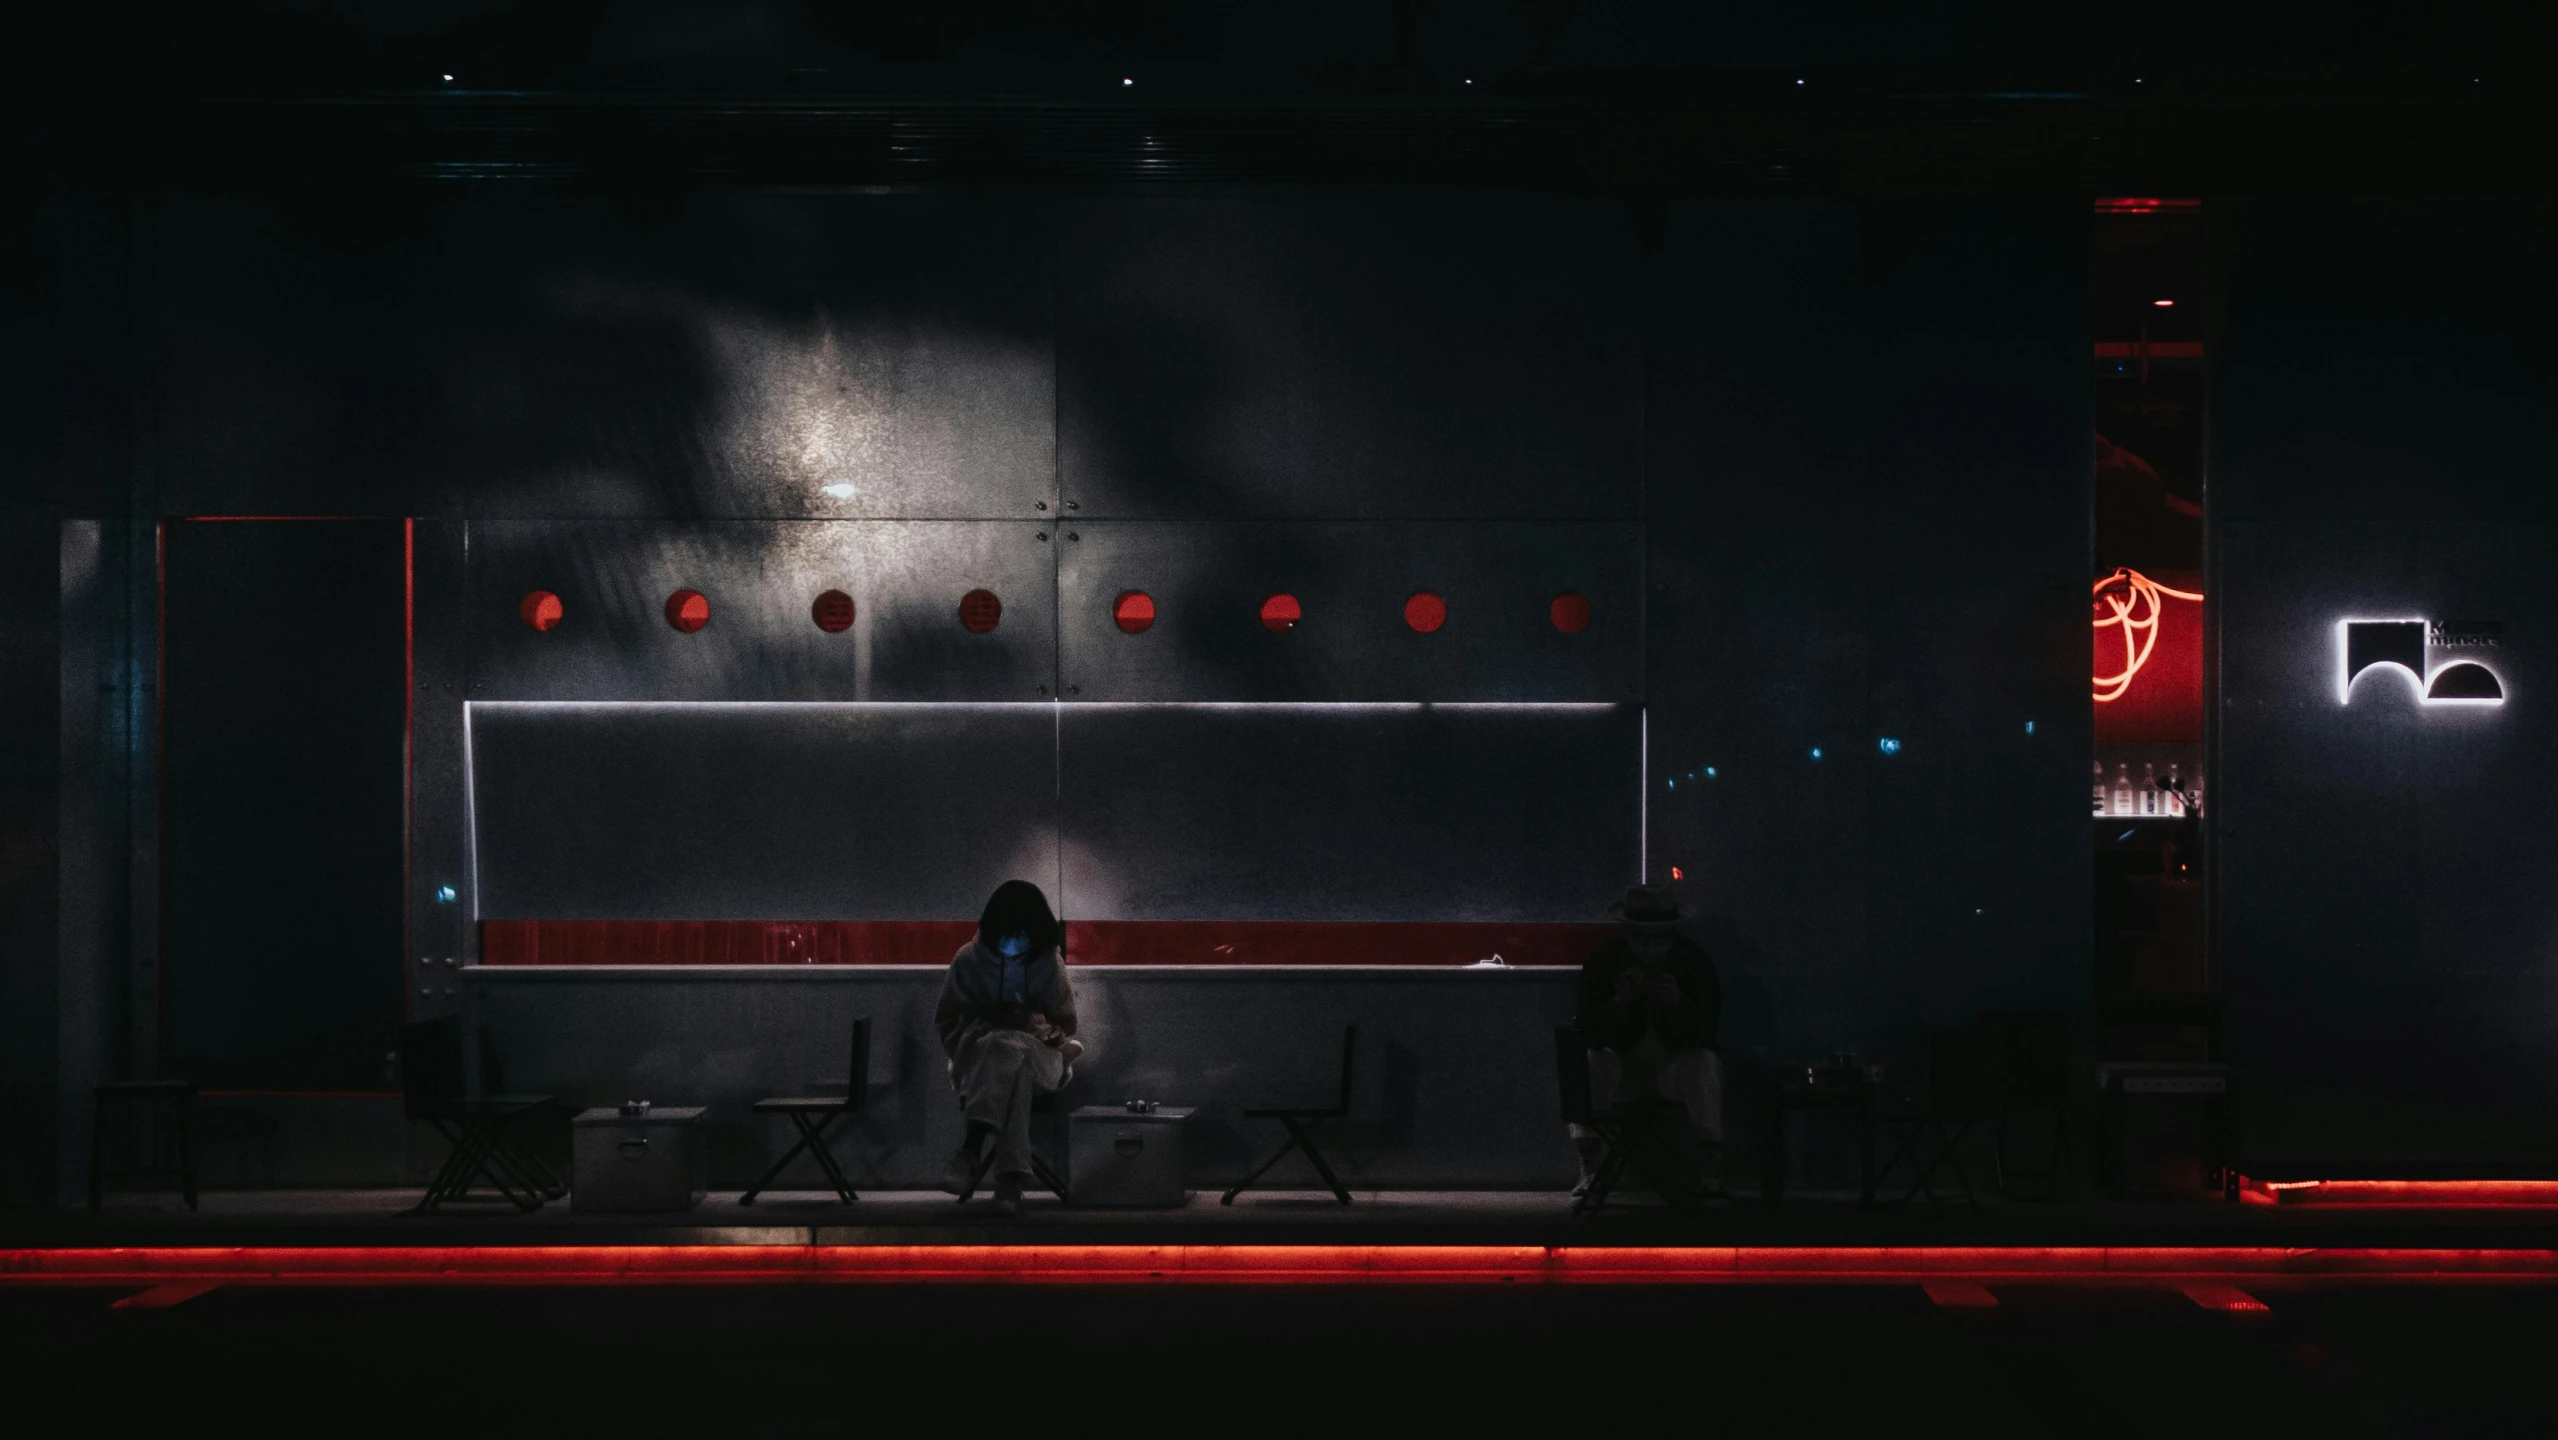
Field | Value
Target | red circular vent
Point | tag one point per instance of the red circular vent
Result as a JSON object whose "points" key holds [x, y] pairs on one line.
{"points": [[1425, 611], [1280, 613], [1134, 611], [1570, 612], [833, 612], [539, 610], [980, 611], [687, 611]]}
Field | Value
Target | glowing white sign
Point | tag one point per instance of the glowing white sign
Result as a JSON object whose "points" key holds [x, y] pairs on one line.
{"points": [[2404, 646]]}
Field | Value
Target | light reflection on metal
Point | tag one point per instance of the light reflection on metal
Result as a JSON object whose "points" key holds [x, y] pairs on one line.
{"points": [[2136, 612]]}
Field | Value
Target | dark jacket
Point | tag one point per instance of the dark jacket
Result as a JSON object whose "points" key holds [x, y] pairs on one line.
{"points": [[1604, 1024]]}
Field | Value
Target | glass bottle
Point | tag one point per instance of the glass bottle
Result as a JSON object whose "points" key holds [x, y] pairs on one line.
{"points": [[2123, 789], [2149, 790], [2100, 787]]}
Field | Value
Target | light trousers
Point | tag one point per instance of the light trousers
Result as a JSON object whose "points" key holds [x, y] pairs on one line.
{"points": [[1001, 1072]]}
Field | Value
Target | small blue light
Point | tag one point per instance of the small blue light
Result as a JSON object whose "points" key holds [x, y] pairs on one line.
{"points": [[1888, 745], [1816, 752], [446, 895], [1674, 782], [2029, 727], [1709, 772]]}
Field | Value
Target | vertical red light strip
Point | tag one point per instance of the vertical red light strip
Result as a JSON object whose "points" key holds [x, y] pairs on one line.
{"points": [[408, 756]]}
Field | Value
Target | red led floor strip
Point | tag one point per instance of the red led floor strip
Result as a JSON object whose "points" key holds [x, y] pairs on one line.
{"points": [[2403, 1194], [1250, 1264]]}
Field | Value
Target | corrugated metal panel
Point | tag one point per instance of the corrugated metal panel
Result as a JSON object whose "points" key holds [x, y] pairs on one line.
{"points": [[1348, 813], [758, 812]]}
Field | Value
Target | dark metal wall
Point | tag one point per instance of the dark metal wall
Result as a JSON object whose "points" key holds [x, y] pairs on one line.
{"points": [[1867, 452], [1818, 465], [759, 812], [283, 737], [1350, 354], [2383, 410], [906, 579], [31, 978]]}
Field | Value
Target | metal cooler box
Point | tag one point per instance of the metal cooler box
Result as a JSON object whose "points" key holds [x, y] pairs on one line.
{"points": [[1115, 1156], [651, 1161]]}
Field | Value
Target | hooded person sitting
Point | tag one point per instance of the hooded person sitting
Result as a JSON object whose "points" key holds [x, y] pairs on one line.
{"points": [[1006, 1020], [1649, 1006]]}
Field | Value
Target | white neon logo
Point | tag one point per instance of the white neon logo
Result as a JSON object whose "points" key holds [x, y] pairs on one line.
{"points": [[2400, 645]]}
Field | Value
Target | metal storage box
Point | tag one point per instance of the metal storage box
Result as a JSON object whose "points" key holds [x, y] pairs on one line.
{"points": [[636, 1162], [1115, 1156]]}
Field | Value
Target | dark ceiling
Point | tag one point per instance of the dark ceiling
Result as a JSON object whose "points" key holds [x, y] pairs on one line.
{"points": [[2181, 95]]}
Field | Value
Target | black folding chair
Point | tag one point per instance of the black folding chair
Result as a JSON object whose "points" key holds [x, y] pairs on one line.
{"points": [[1646, 1136], [1300, 1122], [1040, 1169], [1966, 1079], [811, 1114], [481, 1131]]}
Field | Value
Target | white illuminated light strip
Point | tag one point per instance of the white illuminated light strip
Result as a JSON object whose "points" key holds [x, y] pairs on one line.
{"points": [[1408, 706], [2345, 678], [470, 823]]}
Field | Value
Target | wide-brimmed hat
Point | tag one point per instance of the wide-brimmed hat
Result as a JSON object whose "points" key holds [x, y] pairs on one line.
{"points": [[1650, 907]]}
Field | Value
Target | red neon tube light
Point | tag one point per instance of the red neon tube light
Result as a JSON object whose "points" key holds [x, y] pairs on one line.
{"points": [[2386, 1194], [2136, 613], [1248, 1264]]}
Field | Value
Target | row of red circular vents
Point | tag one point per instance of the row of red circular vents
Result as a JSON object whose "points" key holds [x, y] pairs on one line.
{"points": [[980, 611]]}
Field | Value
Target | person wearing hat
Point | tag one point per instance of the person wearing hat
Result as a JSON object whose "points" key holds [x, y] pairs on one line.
{"points": [[1649, 1005], [1006, 1020]]}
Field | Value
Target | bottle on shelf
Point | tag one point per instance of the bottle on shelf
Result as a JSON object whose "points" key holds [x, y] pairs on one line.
{"points": [[2123, 789], [2100, 787], [2149, 790], [2175, 794]]}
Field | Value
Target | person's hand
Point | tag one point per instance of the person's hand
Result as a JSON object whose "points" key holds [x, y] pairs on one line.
{"points": [[1627, 980], [1661, 988]]}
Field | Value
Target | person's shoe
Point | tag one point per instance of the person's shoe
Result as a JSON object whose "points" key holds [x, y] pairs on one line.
{"points": [[1073, 1050], [1007, 1201], [960, 1175]]}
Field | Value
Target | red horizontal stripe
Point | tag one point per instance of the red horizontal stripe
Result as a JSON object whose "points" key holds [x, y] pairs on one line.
{"points": [[2394, 1194], [1088, 942], [1251, 1264], [722, 942], [1280, 942], [2154, 349]]}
